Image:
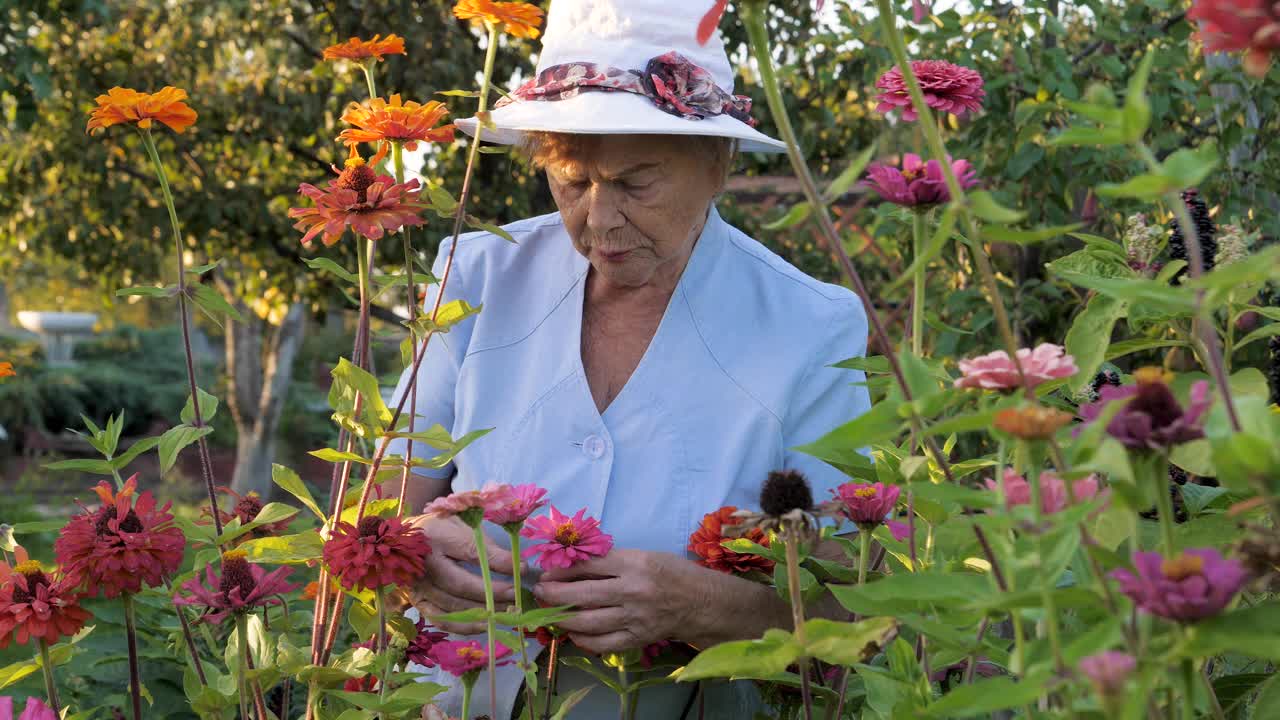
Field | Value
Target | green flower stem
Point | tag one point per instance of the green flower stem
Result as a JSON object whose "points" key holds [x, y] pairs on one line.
{"points": [[1033, 452], [513, 531], [918, 284], [864, 554], [1158, 467], [625, 694], [491, 629], [367, 67], [411, 305], [242, 636], [791, 541], [50, 687], [1214, 705], [753, 17], [1186, 679], [380, 599], [135, 675], [468, 683], [205, 464]]}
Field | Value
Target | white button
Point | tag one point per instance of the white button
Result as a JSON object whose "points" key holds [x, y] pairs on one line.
{"points": [[593, 446]]}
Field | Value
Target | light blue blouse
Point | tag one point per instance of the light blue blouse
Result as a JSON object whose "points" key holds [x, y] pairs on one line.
{"points": [[738, 373]]}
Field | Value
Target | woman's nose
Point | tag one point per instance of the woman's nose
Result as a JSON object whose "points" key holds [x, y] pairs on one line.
{"points": [[604, 211]]}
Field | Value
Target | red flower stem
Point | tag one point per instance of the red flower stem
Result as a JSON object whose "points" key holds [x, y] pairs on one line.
{"points": [[50, 687], [197, 420], [190, 639], [790, 541], [834, 712], [411, 305], [335, 620], [259, 702], [553, 661], [135, 675]]}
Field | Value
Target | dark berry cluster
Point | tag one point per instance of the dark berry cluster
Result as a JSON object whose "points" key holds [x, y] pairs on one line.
{"points": [[1205, 231], [1105, 377], [1273, 367]]}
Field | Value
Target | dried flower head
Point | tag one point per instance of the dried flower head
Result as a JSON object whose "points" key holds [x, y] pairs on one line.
{"points": [[785, 491], [123, 105], [947, 88], [520, 19], [1142, 243], [246, 510], [366, 50], [1233, 244]]}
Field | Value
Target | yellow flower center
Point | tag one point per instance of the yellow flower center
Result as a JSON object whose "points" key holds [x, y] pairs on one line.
{"points": [[567, 534], [471, 653], [868, 492], [235, 555], [1182, 567], [912, 174], [30, 567], [1151, 375], [356, 161]]}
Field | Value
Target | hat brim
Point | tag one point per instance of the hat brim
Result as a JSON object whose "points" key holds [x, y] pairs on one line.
{"points": [[611, 113]]}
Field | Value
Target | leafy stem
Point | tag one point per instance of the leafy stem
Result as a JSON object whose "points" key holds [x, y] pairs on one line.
{"points": [[50, 687], [491, 628]]}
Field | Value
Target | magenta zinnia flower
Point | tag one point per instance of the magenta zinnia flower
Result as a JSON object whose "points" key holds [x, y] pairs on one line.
{"points": [[918, 183], [460, 657], [34, 710], [371, 204], [947, 87], [1231, 25], [515, 505], [378, 552], [866, 504], [1108, 671], [122, 545], [1151, 417], [567, 540], [1195, 585], [240, 586], [996, 371], [1053, 491], [419, 648]]}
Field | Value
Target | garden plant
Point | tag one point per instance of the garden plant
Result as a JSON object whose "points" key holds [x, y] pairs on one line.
{"points": [[1051, 530]]}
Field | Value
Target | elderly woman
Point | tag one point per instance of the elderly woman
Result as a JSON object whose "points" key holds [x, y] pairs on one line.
{"points": [[636, 355]]}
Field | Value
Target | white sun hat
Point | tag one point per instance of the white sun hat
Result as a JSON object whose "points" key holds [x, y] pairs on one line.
{"points": [[612, 67]]}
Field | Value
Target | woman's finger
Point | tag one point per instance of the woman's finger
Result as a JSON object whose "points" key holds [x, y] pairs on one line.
{"points": [[597, 621], [429, 610], [619, 641], [452, 578], [580, 593]]}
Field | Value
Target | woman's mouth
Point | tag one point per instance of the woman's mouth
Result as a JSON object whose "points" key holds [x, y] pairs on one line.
{"points": [[614, 256]]}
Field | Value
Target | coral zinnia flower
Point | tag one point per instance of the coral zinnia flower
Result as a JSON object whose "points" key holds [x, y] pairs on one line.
{"points": [[241, 587], [1195, 585], [515, 506], [357, 49], [1249, 25], [6, 370], [517, 18], [371, 204], [122, 545], [947, 87], [377, 120], [706, 543], [460, 657], [34, 606], [996, 371], [122, 105], [377, 552], [1151, 416], [1053, 491], [917, 184], [866, 504], [567, 540]]}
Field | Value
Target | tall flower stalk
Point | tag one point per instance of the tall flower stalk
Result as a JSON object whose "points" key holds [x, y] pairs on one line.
{"points": [[791, 537]]}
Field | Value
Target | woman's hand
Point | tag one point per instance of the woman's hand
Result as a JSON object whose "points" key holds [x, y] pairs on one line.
{"points": [[449, 587], [631, 598]]}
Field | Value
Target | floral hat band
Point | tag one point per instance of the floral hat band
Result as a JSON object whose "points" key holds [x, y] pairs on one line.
{"points": [[674, 84]]}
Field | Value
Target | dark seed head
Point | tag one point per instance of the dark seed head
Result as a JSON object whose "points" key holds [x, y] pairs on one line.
{"points": [[236, 574], [784, 491], [34, 576], [369, 526]]}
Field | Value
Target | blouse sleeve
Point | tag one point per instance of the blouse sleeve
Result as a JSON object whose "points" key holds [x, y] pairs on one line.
{"points": [[438, 373], [828, 397]]}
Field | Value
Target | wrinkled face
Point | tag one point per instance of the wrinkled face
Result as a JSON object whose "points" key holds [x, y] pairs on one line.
{"points": [[634, 205]]}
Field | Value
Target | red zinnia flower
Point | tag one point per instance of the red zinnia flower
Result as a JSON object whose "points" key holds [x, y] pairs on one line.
{"points": [[119, 547], [947, 87], [380, 551], [241, 587], [371, 204], [36, 606], [1249, 25], [705, 542]]}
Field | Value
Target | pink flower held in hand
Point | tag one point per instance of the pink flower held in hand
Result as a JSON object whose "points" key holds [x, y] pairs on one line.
{"points": [[461, 657], [1231, 25], [918, 183], [947, 88], [996, 371], [516, 506], [567, 541], [470, 505], [378, 552], [1053, 491], [1108, 671], [866, 504], [1195, 585]]}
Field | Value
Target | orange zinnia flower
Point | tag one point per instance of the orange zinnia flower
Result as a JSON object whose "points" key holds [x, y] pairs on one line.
{"points": [[122, 105], [6, 370], [357, 49], [377, 120], [371, 204], [517, 18]]}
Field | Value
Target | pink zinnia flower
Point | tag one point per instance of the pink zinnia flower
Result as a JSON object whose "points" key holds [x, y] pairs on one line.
{"points": [[121, 545], [515, 505], [34, 710], [461, 657], [917, 183], [371, 204], [867, 504], [947, 87], [35, 606], [241, 587], [1151, 417], [1108, 671], [378, 552], [471, 504], [1195, 585], [1231, 25], [996, 371], [899, 530], [567, 540], [1053, 491]]}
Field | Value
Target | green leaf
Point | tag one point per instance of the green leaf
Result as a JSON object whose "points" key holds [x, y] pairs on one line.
{"points": [[1188, 167], [349, 383], [213, 304], [1143, 187], [208, 408], [846, 179], [332, 268], [337, 456], [848, 643], [490, 228], [1197, 498], [290, 482], [1128, 347], [1137, 111], [202, 269], [1097, 242], [876, 425], [450, 314], [771, 654], [122, 461], [97, 466], [175, 439], [796, 215], [985, 206], [912, 592], [1156, 294], [1266, 331], [148, 291], [1003, 234], [567, 704], [1088, 136], [986, 696], [1090, 336], [1253, 631], [270, 513], [304, 547]]}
